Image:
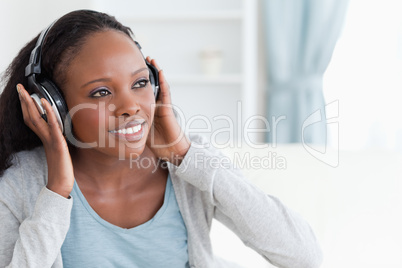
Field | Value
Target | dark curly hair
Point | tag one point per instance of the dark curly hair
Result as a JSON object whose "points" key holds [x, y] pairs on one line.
{"points": [[63, 42]]}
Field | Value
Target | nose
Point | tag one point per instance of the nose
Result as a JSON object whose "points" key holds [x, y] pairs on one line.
{"points": [[126, 105]]}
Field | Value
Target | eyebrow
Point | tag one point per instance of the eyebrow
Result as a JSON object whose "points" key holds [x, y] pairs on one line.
{"points": [[108, 79]]}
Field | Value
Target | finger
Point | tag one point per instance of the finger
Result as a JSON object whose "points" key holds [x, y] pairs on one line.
{"points": [[164, 94], [154, 63], [51, 117], [149, 60], [33, 118], [25, 113], [24, 104], [162, 80]]}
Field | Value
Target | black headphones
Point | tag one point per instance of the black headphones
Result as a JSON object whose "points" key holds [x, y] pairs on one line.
{"points": [[45, 88]]}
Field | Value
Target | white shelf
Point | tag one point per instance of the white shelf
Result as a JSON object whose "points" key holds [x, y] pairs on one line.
{"points": [[187, 16], [199, 79]]}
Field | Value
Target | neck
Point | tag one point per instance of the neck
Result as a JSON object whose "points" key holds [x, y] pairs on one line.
{"points": [[102, 172]]}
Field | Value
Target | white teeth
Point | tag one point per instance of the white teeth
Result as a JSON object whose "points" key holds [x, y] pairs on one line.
{"points": [[130, 130]]}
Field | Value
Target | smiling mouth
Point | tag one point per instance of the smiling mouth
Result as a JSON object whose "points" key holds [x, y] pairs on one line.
{"points": [[130, 134], [130, 130]]}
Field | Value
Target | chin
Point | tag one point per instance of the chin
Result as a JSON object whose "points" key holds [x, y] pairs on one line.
{"points": [[133, 154]]}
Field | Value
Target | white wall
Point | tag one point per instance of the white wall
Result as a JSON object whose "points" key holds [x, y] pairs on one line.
{"points": [[21, 20]]}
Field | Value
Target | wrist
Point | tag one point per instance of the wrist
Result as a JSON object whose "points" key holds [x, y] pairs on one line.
{"points": [[181, 153], [178, 154], [59, 190]]}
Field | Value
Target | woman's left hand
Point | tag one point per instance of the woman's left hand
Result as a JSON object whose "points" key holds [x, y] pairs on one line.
{"points": [[166, 138]]}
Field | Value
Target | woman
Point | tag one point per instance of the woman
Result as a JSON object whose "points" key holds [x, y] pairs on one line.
{"points": [[81, 197]]}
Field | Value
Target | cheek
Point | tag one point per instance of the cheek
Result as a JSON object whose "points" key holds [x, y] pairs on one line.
{"points": [[87, 123]]}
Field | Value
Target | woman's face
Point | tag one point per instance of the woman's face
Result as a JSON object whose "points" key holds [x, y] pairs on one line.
{"points": [[109, 95]]}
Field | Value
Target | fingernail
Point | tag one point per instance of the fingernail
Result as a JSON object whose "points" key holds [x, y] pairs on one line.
{"points": [[43, 104], [19, 92]]}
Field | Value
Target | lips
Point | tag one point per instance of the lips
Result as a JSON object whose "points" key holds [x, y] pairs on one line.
{"points": [[131, 131]]}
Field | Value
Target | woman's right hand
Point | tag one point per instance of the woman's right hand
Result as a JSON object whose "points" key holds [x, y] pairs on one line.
{"points": [[60, 168]]}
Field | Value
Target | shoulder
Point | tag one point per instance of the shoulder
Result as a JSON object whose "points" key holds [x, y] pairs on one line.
{"points": [[201, 143], [198, 139], [26, 176], [32, 162]]}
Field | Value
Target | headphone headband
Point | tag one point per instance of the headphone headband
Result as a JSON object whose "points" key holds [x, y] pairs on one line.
{"points": [[41, 87], [34, 66]]}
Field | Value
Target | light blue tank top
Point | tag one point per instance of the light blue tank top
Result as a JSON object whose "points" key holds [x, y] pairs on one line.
{"points": [[93, 242]]}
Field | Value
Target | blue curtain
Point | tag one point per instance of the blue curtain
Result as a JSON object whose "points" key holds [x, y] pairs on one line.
{"points": [[300, 38]]}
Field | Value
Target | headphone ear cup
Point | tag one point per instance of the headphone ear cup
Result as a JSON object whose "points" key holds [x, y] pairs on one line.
{"points": [[154, 79], [36, 99], [58, 103]]}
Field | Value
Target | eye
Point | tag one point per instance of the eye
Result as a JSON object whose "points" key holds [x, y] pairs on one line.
{"points": [[100, 93], [141, 83]]}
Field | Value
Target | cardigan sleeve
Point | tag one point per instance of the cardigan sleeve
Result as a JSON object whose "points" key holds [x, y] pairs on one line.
{"points": [[261, 221], [31, 235]]}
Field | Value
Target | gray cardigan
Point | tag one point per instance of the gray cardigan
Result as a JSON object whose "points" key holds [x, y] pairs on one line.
{"points": [[34, 220]]}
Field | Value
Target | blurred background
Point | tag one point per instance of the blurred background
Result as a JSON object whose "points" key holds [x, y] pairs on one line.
{"points": [[317, 81]]}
